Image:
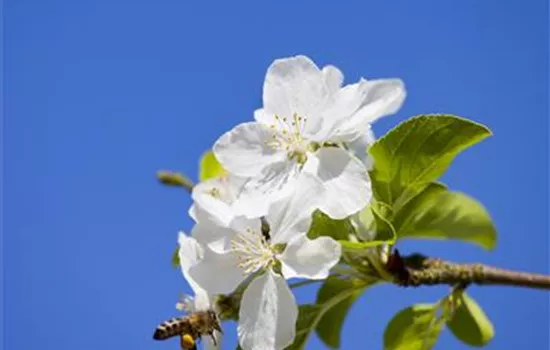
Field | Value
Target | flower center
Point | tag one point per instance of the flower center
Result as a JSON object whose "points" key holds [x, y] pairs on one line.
{"points": [[215, 192], [222, 191], [288, 135], [253, 251]]}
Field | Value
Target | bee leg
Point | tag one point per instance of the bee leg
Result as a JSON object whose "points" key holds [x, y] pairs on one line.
{"points": [[187, 342], [214, 340], [218, 328]]}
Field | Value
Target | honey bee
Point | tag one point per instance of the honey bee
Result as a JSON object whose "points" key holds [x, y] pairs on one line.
{"points": [[190, 328]]}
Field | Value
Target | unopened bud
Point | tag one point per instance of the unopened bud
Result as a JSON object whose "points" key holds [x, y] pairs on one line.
{"points": [[174, 179]]}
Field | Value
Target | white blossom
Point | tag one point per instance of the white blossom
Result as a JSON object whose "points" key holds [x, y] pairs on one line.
{"points": [[190, 253], [216, 198], [306, 124], [268, 310], [360, 146]]}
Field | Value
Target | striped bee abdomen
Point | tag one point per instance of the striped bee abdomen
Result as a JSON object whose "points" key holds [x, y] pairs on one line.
{"points": [[172, 328]]}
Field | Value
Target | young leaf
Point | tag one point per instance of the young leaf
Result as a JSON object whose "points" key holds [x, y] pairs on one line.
{"points": [[414, 328], [330, 324], [323, 225], [470, 324], [417, 152], [310, 314], [385, 233], [440, 214], [209, 167]]}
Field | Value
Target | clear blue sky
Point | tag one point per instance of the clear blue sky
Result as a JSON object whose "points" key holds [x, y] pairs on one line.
{"points": [[98, 95]]}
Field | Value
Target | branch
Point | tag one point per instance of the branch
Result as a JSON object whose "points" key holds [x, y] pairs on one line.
{"points": [[175, 179], [417, 270]]}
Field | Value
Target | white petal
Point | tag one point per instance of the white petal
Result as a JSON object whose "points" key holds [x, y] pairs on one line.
{"points": [[385, 97], [268, 314], [204, 199], [313, 259], [190, 254], [264, 117], [190, 251], [202, 300], [333, 78], [360, 146], [259, 192], [216, 197], [210, 233], [294, 85], [241, 224], [379, 98], [343, 104], [192, 212], [345, 179], [291, 214], [243, 151], [217, 273]]}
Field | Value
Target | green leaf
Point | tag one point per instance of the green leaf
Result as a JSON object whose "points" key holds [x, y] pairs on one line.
{"points": [[440, 214], [417, 152], [385, 232], [382, 214], [209, 167], [330, 325], [323, 225], [470, 324], [414, 328], [310, 314], [176, 258]]}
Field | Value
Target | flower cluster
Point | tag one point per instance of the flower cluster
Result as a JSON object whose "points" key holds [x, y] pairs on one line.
{"points": [[304, 151]]}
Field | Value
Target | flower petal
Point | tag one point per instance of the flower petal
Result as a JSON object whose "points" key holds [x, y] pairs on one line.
{"points": [[190, 254], [242, 224], [306, 258], [360, 146], [291, 214], [259, 192], [333, 78], [342, 105], [202, 300], [385, 97], [216, 197], [193, 212], [294, 85], [347, 187], [190, 251], [210, 233], [378, 98], [243, 150], [217, 273], [268, 314], [207, 201]]}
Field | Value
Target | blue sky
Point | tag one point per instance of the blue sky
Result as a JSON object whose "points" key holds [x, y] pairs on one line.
{"points": [[99, 95]]}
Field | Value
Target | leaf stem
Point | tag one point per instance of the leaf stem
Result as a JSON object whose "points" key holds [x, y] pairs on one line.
{"points": [[303, 283]]}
